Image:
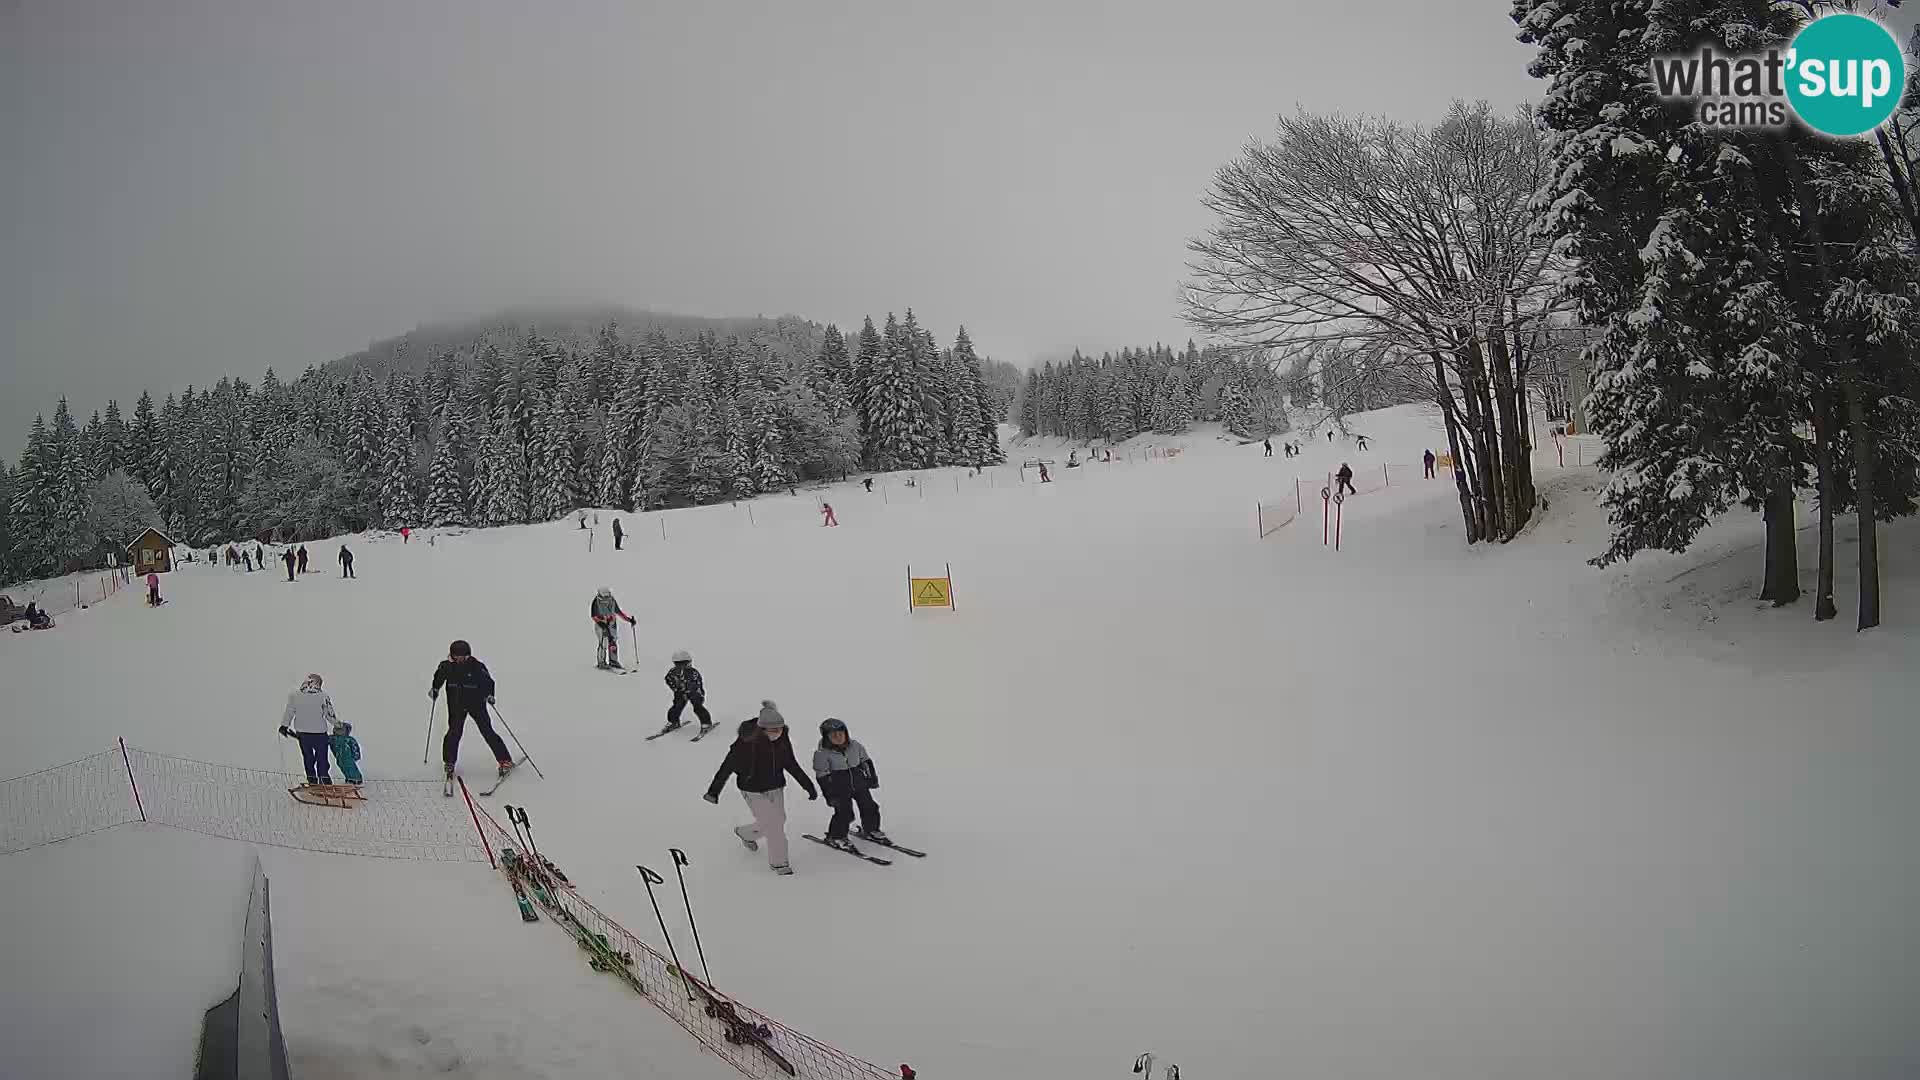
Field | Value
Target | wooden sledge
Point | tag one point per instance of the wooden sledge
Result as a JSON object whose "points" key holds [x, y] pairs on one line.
{"points": [[339, 796]]}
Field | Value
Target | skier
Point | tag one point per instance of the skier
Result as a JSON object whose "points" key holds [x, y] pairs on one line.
{"points": [[153, 590], [289, 558], [869, 482], [259, 556], [1268, 443], [1329, 436], [761, 759], [346, 562], [469, 692], [846, 775], [1044, 478], [1344, 480], [687, 686], [1362, 440], [604, 609], [826, 515], [404, 533], [309, 720], [1426, 460], [346, 750], [303, 558], [247, 557], [619, 534]]}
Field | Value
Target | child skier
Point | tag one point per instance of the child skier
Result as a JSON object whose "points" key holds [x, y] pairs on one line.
{"points": [[847, 776], [346, 750], [761, 759], [687, 686], [604, 610], [309, 719]]}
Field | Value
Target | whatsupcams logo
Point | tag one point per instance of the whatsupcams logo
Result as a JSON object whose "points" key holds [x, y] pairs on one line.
{"points": [[1842, 75]]}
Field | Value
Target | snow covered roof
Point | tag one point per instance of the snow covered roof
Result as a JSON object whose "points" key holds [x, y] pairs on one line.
{"points": [[165, 540]]}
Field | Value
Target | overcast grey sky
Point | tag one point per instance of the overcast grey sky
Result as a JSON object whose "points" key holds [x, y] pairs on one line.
{"points": [[191, 188]]}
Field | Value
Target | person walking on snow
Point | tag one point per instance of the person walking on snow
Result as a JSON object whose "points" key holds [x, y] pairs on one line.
{"points": [[346, 750], [1343, 480], [469, 691], [687, 686], [826, 515], [604, 609], [346, 562], [1268, 443], [310, 721], [1426, 460], [619, 534], [405, 533], [761, 759], [153, 590], [259, 555], [847, 776], [1044, 478], [247, 557], [288, 558], [302, 555]]}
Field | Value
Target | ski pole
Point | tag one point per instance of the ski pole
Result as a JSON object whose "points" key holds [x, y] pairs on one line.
{"points": [[518, 743], [424, 750], [514, 821], [636, 644], [680, 860], [653, 879]]}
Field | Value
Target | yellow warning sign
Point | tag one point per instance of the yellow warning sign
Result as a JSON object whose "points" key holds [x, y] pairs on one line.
{"points": [[931, 592], [1444, 461]]}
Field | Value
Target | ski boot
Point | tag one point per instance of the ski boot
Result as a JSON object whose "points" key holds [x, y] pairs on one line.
{"points": [[874, 835], [505, 767], [447, 774], [614, 665]]}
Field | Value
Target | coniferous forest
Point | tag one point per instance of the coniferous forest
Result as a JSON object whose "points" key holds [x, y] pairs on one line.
{"points": [[499, 433]]}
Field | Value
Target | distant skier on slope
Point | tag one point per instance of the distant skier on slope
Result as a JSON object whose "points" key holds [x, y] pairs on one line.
{"points": [[1426, 460], [688, 687], [469, 691], [761, 759], [604, 609], [846, 776], [1362, 440], [346, 562], [826, 515], [302, 556], [289, 558], [619, 534], [310, 720]]}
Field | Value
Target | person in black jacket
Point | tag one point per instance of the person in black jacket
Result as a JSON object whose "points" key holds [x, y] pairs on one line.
{"points": [[469, 691], [687, 686], [761, 759], [619, 534], [1343, 480]]}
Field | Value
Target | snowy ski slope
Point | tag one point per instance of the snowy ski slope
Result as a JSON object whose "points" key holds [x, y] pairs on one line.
{"points": [[1410, 809]]}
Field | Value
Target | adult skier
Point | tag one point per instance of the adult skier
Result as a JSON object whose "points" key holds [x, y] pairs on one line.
{"points": [[761, 759], [1426, 459], [847, 777], [1343, 480], [310, 721], [153, 590], [346, 562], [289, 558], [469, 691], [604, 609], [687, 686], [1268, 443], [1362, 440], [619, 534]]}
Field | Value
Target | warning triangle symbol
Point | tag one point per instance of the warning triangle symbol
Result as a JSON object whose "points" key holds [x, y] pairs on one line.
{"points": [[933, 590]]}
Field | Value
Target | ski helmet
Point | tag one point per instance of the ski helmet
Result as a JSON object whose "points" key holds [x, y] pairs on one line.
{"points": [[682, 656], [831, 725], [460, 648]]}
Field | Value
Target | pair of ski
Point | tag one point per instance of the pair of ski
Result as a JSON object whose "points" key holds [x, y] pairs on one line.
{"points": [[499, 778], [705, 730], [858, 854]]}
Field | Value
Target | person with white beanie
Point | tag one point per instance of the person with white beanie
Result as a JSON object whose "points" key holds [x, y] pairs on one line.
{"points": [[761, 758], [310, 720]]}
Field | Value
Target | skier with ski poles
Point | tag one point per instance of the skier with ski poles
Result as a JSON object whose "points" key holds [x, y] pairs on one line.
{"points": [[688, 687], [469, 691], [761, 758], [604, 609]]}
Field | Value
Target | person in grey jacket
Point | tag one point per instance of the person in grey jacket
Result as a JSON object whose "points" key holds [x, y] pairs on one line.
{"points": [[847, 779]]}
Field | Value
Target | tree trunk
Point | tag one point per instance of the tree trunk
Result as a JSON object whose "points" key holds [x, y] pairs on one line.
{"points": [[1823, 608], [1783, 562], [1443, 393], [1866, 503]]}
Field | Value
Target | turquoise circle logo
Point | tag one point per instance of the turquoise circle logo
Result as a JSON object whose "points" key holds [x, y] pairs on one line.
{"points": [[1846, 75]]}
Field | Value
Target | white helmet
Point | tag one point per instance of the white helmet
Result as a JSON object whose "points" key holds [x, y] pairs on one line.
{"points": [[604, 591], [682, 656]]}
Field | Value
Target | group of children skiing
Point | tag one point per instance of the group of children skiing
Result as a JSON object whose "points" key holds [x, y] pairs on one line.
{"points": [[760, 758]]}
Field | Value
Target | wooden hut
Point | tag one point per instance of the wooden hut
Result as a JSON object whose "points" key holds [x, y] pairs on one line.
{"points": [[151, 553]]}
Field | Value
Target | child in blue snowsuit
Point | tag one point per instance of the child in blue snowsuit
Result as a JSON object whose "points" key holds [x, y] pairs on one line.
{"points": [[346, 750]]}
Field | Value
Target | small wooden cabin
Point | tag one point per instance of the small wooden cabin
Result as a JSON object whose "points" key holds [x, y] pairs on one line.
{"points": [[151, 553]]}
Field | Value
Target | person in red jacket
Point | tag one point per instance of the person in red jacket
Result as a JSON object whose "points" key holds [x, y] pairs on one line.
{"points": [[761, 758]]}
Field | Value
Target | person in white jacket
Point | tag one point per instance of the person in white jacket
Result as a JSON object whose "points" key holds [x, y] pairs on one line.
{"points": [[309, 718]]}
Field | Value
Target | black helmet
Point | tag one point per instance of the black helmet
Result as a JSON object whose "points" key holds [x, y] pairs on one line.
{"points": [[460, 648], [829, 726]]}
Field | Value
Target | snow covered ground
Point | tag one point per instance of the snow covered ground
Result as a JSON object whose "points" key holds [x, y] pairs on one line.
{"points": [[1409, 809]]}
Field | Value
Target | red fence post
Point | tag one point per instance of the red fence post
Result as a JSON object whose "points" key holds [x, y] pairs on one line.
{"points": [[476, 823], [1384, 476], [128, 762], [1338, 515]]}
